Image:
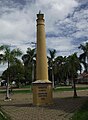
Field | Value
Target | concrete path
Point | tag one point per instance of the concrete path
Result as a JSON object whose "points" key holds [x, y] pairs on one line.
{"points": [[21, 108]]}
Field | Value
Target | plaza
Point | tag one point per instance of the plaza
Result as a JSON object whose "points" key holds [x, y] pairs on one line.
{"points": [[63, 107]]}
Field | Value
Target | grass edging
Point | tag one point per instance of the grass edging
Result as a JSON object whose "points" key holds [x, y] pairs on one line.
{"points": [[3, 115], [82, 113], [22, 91]]}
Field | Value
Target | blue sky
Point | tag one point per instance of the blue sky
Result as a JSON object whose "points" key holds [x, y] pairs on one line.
{"points": [[66, 23]]}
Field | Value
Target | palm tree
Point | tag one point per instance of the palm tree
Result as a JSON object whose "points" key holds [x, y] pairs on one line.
{"points": [[84, 56], [28, 60], [73, 66], [51, 58], [59, 68], [9, 57]]}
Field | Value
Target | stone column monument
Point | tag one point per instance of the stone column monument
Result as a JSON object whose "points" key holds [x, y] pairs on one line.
{"points": [[42, 87]]}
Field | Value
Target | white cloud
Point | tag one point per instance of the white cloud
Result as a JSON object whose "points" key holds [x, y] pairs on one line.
{"points": [[62, 45], [55, 10], [18, 23]]}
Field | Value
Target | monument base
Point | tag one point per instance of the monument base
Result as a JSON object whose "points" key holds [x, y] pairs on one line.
{"points": [[42, 93]]}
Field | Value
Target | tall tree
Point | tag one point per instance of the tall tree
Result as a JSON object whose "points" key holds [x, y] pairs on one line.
{"points": [[29, 61], [73, 67], [9, 56], [84, 56], [51, 58], [59, 68], [16, 73]]}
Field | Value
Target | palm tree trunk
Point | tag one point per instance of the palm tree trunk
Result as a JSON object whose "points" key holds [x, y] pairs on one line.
{"points": [[52, 78], [7, 89], [87, 63], [67, 80], [7, 85], [32, 72], [74, 87]]}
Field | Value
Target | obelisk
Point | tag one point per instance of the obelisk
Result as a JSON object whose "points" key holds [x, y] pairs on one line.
{"points": [[42, 87]]}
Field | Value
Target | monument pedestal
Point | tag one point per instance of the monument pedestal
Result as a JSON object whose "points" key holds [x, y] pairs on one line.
{"points": [[42, 93]]}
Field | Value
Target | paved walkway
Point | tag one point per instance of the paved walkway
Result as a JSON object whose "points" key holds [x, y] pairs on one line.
{"points": [[21, 108]]}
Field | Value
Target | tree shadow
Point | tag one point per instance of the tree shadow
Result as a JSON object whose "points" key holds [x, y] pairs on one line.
{"points": [[68, 104], [19, 105]]}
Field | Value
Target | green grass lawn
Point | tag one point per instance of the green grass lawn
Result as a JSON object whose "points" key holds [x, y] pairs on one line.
{"points": [[82, 113], [69, 89], [18, 91], [24, 90], [27, 86]]}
